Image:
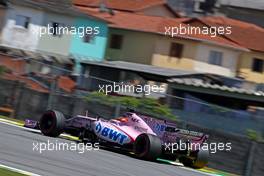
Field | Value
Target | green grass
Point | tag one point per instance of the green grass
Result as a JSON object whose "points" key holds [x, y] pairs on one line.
{"points": [[6, 172]]}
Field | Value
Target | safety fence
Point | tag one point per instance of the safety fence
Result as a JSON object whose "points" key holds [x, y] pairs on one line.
{"points": [[221, 123]]}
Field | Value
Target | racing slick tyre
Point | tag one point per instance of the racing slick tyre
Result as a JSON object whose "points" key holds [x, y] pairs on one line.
{"points": [[52, 123], [201, 159], [147, 146]]}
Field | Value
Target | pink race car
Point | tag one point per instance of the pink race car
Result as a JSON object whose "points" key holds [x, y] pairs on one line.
{"points": [[148, 138]]}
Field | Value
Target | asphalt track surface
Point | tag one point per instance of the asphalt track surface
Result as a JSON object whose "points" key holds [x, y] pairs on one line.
{"points": [[16, 150]]}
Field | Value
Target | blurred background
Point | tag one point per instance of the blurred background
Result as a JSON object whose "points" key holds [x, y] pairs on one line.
{"points": [[213, 84]]}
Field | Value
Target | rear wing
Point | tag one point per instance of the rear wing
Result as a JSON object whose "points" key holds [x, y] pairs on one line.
{"points": [[184, 132]]}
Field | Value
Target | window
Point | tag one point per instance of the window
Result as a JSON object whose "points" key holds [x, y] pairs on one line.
{"points": [[22, 21], [258, 65], [116, 41], [176, 50], [215, 58], [56, 29], [88, 38]]}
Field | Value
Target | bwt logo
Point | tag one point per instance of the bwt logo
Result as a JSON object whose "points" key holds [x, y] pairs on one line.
{"points": [[111, 134]]}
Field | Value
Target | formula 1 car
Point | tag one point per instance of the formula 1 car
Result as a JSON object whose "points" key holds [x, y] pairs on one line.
{"points": [[148, 138]]}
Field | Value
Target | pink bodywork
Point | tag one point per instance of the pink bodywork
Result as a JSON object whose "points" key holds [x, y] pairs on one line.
{"points": [[133, 127], [126, 129], [125, 132]]}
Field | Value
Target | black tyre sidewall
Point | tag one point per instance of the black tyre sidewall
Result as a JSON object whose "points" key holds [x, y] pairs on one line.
{"points": [[57, 123], [201, 159], [152, 148]]}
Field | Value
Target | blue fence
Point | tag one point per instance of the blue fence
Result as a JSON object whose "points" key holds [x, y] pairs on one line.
{"points": [[211, 116]]}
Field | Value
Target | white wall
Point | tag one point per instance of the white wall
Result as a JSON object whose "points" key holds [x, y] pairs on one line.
{"points": [[229, 60], [56, 44], [18, 37]]}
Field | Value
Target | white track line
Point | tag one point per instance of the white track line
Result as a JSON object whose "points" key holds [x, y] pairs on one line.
{"points": [[10, 123], [18, 170], [194, 170]]}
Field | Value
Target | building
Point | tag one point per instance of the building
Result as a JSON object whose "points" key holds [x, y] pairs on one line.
{"points": [[53, 18], [194, 8], [21, 24], [2, 15], [146, 7], [251, 11], [19, 69], [108, 72], [89, 47], [45, 27], [140, 39], [250, 64]]}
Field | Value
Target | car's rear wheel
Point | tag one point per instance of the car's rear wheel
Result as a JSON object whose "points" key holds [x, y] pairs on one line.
{"points": [[52, 123], [147, 147], [200, 159]]}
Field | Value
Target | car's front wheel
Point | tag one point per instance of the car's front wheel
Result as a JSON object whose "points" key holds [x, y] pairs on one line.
{"points": [[147, 146], [52, 123]]}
